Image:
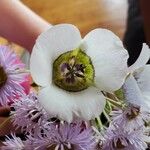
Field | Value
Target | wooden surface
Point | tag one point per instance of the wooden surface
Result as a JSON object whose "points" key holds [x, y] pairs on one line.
{"points": [[85, 14]]}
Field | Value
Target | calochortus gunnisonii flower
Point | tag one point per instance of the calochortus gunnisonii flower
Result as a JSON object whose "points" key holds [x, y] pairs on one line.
{"points": [[72, 71]]}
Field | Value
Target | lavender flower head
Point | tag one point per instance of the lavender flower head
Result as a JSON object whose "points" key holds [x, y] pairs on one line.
{"points": [[11, 76], [119, 139], [130, 118], [14, 143], [64, 137], [28, 114]]}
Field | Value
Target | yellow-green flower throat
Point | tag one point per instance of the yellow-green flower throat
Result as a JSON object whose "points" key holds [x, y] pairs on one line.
{"points": [[73, 71]]}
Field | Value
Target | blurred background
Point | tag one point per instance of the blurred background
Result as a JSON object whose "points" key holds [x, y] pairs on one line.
{"points": [[129, 19], [85, 14]]}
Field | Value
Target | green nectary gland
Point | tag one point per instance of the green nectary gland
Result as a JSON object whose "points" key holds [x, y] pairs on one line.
{"points": [[73, 71], [3, 77]]}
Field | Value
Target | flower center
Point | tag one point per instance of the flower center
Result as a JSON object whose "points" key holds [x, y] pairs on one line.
{"points": [[73, 71], [119, 144], [133, 112], [3, 77]]}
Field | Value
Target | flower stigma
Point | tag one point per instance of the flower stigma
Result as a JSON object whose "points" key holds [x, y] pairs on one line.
{"points": [[133, 112], [119, 144], [73, 71], [3, 77]]}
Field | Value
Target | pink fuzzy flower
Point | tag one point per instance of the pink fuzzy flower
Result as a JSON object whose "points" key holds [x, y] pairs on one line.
{"points": [[14, 82]]}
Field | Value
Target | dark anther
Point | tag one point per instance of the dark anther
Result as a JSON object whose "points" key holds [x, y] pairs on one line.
{"points": [[80, 67], [79, 75], [70, 79], [119, 144], [134, 112]]}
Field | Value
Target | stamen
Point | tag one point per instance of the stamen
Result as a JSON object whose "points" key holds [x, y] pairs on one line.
{"points": [[80, 67], [79, 75], [119, 144], [133, 112], [70, 79], [72, 61]]}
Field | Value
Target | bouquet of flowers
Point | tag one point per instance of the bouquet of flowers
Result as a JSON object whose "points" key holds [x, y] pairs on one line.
{"points": [[87, 98]]}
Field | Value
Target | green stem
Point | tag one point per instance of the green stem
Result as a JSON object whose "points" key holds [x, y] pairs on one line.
{"points": [[100, 125], [114, 103], [107, 116], [114, 97]]}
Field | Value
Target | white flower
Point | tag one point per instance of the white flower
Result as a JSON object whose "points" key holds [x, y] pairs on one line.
{"points": [[72, 71], [143, 80], [137, 85]]}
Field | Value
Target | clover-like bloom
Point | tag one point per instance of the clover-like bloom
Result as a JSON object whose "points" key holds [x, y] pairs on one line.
{"points": [[64, 136], [13, 143], [136, 113], [72, 71], [130, 118], [12, 78], [119, 139], [29, 115], [137, 94]]}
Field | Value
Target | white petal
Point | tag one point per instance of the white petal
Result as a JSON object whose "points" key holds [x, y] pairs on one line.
{"points": [[57, 102], [143, 78], [90, 103], [86, 104], [109, 58], [59, 39], [143, 81], [142, 60], [49, 45], [40, 68], [146, 101], [132, 92]]}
